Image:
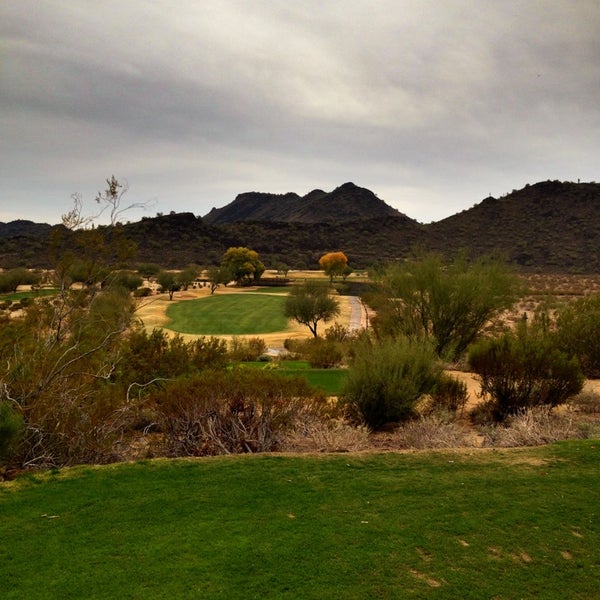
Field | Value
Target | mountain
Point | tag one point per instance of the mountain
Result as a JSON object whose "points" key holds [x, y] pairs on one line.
{"points": [[550, 226], [346, 203], [23, 227]]}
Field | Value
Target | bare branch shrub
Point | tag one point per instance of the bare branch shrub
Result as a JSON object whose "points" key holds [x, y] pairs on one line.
{"points": [[227, 412], [315, 433], [533, 426], [435, 430], [586, 403]]}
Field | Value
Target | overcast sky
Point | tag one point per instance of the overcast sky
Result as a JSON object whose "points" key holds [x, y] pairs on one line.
{"points": [[432, 105]]}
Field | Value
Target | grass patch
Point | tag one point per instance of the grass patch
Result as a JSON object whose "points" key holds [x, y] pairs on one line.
{"points": [[15, 297], [331, 381], [229, 314], [500, 524], [284, 289]]}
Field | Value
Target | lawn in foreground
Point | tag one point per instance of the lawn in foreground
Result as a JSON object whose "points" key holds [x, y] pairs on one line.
{"points": [[229, 314], [478, 524]]}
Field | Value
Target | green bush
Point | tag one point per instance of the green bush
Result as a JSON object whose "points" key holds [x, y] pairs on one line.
{"points": [[387, 379], [246, 349], [449, 394], [522, 369], [156, 355], [11, 430], [578, 331], [320, 353]]}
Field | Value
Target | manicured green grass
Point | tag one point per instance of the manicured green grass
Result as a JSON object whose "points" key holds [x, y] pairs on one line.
{"points": [[284, 289], [331, 381], [478, 524], [20, 295], [229, 314]]}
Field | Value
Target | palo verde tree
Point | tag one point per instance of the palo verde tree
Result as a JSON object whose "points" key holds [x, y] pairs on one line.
{"points": [[334, 264], [310, 303], [448, 304], [243, 264]]}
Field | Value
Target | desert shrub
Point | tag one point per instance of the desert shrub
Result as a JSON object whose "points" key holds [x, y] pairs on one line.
{"points": [[338, 333], [156, 355], [316, 433], [578, 331], [320, 353], [586, 402], [323, 354], [436, 430], [11, 430], [142, 292], [449, 394], [128, 280], [387, 379], [522, 369], [246, 349], [533, 426], [237, 411]]}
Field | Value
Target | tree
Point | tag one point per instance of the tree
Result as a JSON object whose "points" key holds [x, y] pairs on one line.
{"points": [[12, 279], [187, 276], [449, 304], [59, 357], [167, 281], [243, 264], [334, 264], [310, 303], [218, 276]]}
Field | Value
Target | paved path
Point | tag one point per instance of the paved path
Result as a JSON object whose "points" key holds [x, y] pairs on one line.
{"points": [[356, 313]]}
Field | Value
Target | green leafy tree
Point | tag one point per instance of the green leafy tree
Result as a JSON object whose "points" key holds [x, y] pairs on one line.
{"points": [[13, 278], [310, 303], [243, 264], [148, 270], [218, 276], [334, 264], [448, 304], [187, 276], [167, 280]]}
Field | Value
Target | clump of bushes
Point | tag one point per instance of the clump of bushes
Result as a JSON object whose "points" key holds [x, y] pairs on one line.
{"points": [[522, 369], [226, 412], [246, 349]]}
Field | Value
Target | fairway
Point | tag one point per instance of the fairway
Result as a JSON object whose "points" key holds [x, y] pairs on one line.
{"points": [[229, 314], [469, 525]]}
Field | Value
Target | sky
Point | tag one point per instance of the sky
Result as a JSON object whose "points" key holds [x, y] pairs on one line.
{"points": [[432, 105]]}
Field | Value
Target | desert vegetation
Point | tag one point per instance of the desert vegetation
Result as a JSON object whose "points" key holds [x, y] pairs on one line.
{"points": [[84, 379]]}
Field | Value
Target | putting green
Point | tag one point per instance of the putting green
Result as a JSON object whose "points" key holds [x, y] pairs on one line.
{"points": [[229, 314]]}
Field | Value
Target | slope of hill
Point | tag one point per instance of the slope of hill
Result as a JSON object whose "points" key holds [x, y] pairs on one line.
{"points": [[346, 203], [551, 225], [546, 227]]}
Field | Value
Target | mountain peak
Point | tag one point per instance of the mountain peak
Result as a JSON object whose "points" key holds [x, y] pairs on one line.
{"points": [[348, 202]]}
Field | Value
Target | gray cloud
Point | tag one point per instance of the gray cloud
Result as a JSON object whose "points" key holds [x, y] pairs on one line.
{"points": [[431, 105]]}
